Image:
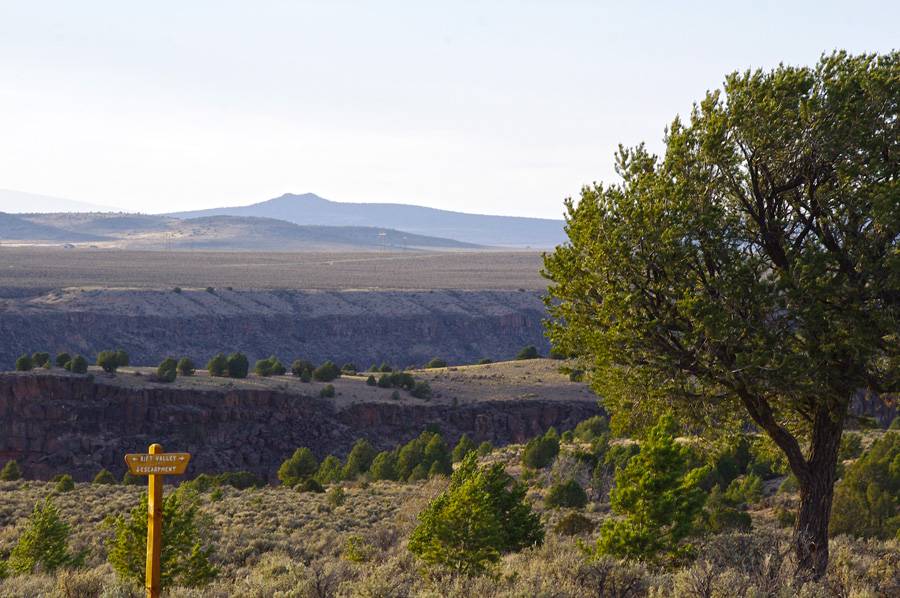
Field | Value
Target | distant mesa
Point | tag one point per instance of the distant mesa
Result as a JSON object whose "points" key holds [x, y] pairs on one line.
{"points": [[310, 209]]}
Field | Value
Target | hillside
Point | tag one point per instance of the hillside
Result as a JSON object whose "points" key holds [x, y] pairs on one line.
{"points": [[310, 209], [52, 421], [210, 233]]}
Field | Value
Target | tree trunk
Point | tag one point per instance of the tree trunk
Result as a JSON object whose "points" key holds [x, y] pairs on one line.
{"points": [[816, 480]]}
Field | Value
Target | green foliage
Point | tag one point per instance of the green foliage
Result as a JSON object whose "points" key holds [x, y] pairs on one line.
{"points": [[485, 448], [384, 381], [720, 516], [129, 479], [183, 561], [865, 503], [349, 368], [422, 390], [25, 363], [310, 485], [591, 428], [105, 478], [176, 289], [895, 424], [659, 499], [482, 515], [186, 366], [749, 490], [566, 494], [62, 359], [437, 362], [361, 456], [385, 368], [463, 449], [568, 436], [237, 365], [301, 466], [269, 367], [574, 524], [43, 542], [370, 381], [122, 358], [78, 365], [418, 457], [65, 484], [330, 470], [851, 446], [327, 391], [210, 290], [743, 275], [40, 359], [217, 365], [326, 372], [107, 361], [167, 370], [10, 472], [484, 361], [306, 377], [384, 467], [540, 452], [529, 352], [337, 497], [217, 495], [300, 365]]}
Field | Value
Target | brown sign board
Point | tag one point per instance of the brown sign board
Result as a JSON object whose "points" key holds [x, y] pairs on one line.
{"points": [[158, 464]]}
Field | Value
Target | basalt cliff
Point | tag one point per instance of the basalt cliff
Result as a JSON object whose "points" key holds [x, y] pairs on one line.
{"points": [[54, 423]]}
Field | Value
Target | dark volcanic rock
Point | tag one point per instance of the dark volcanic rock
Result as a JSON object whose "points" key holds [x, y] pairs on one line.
{"points": [[59, 423]]}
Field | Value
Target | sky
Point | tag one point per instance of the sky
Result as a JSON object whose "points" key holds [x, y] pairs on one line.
{"points": [[488, 107]]}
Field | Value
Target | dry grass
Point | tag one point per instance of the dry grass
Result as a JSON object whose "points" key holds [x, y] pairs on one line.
{"points": [[532, 380], [274, 542], [45, 269]]}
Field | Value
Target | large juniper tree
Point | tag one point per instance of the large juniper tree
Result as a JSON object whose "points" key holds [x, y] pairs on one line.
{"points": [[754, 270]]}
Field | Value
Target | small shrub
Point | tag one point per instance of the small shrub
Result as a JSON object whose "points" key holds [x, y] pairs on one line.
{"points": [[10, 472], [422, 390], [591, 428], [395, 395], [167, 370], [437, 362], [895, 424], [385, 368], [105, 478], [384, 381], [337, 496], [186, 366], [107, 361], [370, 381], [65, 484], [24, 363], [216, 366], [529, 352], [349, 368], [237, 365], [40, 359], [485, 448], [567, 494], [789, 485], [574, 524], [327, 391], [484, 361], [78, 365], [210, 290], [306, 377], [269, 367], [568, 436], [62, 359], [217, 495], [129, 479], [44, 542], [298, 367], [326, 372], [310, 485], [463, 449], [176, 290]]}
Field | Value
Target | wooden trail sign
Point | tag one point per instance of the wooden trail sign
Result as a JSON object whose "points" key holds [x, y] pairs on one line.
{"points": [[154, 465]]}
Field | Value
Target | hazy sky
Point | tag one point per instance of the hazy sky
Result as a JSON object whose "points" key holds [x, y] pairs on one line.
{"points": [[484, 107]]}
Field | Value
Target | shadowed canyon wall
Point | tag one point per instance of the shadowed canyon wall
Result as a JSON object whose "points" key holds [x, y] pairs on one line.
{"points": [[55, 423]]}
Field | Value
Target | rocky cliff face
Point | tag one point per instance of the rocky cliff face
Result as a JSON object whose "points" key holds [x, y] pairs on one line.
{"points": [[402, 328], [57, 423]]}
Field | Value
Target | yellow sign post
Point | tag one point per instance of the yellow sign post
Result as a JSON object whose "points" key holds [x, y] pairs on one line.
{"points": [[155, 464]]}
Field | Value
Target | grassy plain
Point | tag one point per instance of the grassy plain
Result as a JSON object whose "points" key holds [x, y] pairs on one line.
{"points": [[533, 380], [38, 270]]}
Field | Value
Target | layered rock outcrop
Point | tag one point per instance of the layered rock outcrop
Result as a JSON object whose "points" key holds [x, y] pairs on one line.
{"points": [[55, 423]]}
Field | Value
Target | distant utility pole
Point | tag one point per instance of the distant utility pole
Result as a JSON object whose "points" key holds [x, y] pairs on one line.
{"points": [[383, 235]]}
